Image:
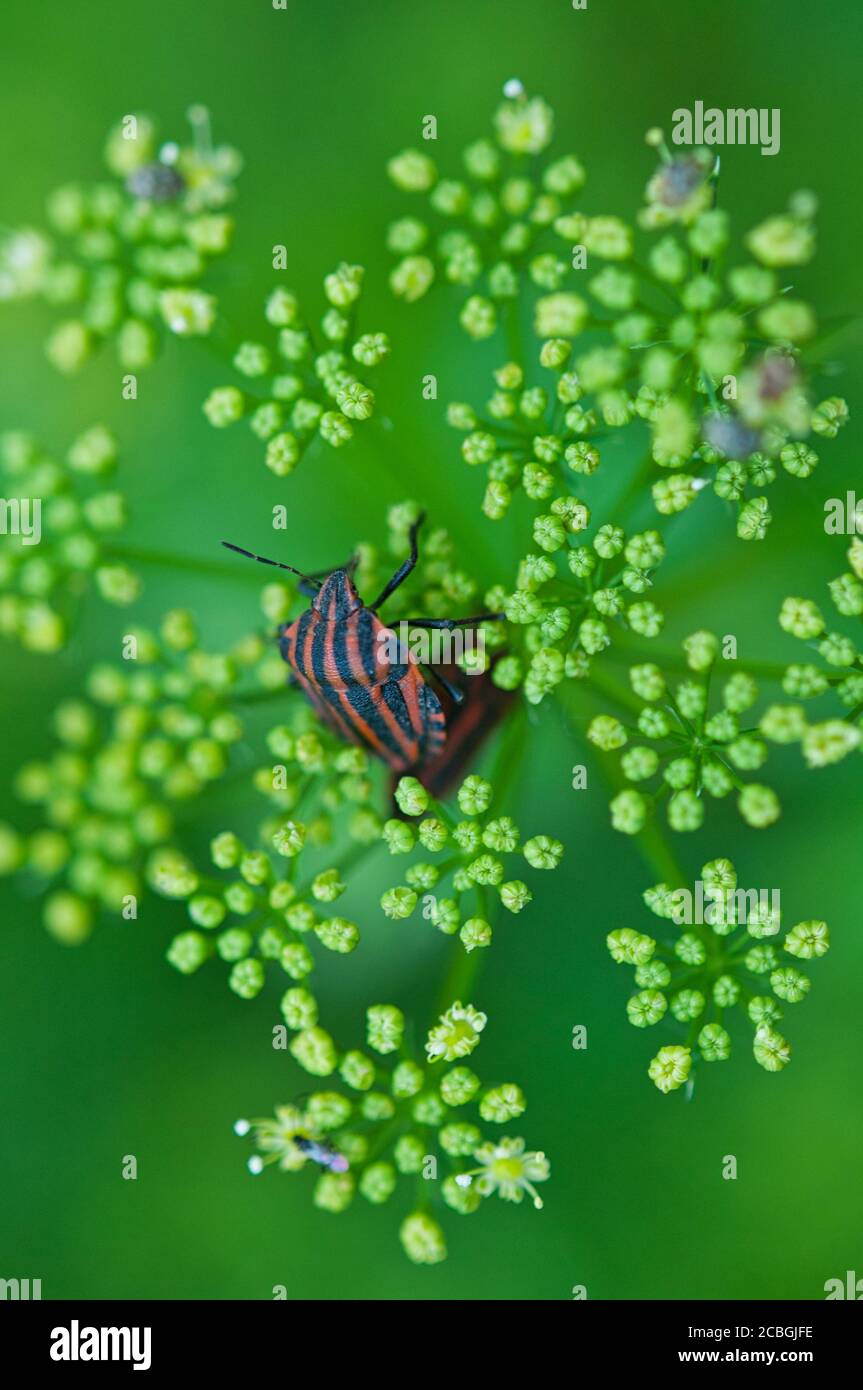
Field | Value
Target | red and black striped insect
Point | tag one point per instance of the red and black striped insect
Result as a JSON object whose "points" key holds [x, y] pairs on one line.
{"points": [[337, 657]]}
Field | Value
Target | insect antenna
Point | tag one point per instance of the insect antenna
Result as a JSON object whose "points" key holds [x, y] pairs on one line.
{"points": [[262, 560]]}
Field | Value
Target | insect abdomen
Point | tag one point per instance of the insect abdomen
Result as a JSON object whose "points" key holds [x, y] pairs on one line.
{"points": [[388, 709]]}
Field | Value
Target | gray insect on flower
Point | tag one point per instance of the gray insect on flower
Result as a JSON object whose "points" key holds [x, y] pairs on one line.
{"points": [[158, 183], [676, 181], [730, 436]]}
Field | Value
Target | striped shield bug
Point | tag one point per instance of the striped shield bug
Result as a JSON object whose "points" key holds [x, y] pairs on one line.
{"points": [[338, 656]]}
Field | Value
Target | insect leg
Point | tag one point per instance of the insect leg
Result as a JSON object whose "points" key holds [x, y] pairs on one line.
{"points": [[403, 570], [452, 691]]}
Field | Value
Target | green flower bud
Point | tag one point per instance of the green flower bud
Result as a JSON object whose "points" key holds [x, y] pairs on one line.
{"points": [[299, 1009], [670, 1068], [296, 960], [433, 834], [674, 494], [247, 978], [407, 1079], [337, 934], [462, 1197], [459, 1086], [628, 812], [206, 910], [646, 1008], [69, 347], [543, 852], [808, 940], [800, 617], [400, 836], [328, 886], [606, 732], [334, 1192], [398, 903], [560, 315], [726, 991], [422, 1239], [357, 1071], [770, 1049], [378, 1182], [758, 805], [502, 1104], [411, 796], [384, 1028], [409, 1154], [459, 1140], [702, 649], [315, 1051], [685, 811], [789, 984], [188, 951], [475, 932], [412, 278], [234, 944], [474, 796], [68, 918], [478, 317], [412, 171], [714, 1043], [188, 313], [829, 742], [344, 286], [628, 947], [371, 349], [687, 1004], [283, 454], [782, 241], [829, 417]]}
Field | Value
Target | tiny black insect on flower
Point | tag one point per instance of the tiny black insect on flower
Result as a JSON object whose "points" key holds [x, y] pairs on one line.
{"points": [[337, 657]]}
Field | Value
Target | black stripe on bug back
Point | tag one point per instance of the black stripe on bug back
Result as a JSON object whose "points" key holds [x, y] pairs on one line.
{"points": [[395, 702], [369, 716], [364, 630]]}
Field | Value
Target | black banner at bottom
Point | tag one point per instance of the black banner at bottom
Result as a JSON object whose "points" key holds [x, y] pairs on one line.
{"points": [[63, 1338]]}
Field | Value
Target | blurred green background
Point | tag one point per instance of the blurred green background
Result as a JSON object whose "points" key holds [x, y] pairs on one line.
{"points": [[106, 1050]]}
